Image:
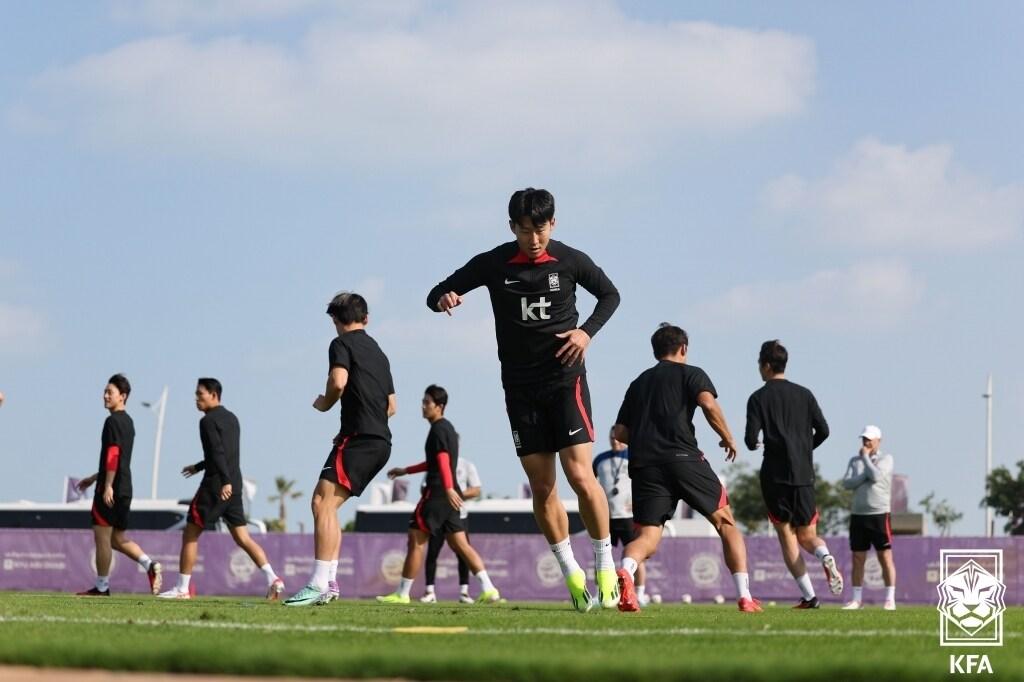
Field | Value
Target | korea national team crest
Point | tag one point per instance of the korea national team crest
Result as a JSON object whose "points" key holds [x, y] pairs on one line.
{"points": [[971, 594], [553, 284]]}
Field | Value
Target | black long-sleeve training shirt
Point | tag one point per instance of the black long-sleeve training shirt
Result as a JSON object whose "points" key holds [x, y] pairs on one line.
{"points": [[220, 434], [533, 301], [793, 427]]}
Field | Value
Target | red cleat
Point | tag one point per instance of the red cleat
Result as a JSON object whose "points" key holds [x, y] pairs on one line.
{"points": [[749, 605], [627, 594]]}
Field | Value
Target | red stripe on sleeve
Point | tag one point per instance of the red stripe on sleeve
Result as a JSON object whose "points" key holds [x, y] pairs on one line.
{"points": [[444, 461], [113, 457], [416, 468]]}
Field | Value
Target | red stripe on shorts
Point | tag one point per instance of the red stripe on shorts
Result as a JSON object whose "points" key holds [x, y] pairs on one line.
{"points": [[583, 410], [100, 521], [339, 464], [723, 499], [418, 514], [193, 511]]}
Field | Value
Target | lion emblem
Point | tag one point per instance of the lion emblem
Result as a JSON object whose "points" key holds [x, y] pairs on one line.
{"points": [[971, 597]]}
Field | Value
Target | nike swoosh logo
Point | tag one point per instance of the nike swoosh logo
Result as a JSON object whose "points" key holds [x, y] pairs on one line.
{"points": [[326, 468], [511, 281], [573, 433]]}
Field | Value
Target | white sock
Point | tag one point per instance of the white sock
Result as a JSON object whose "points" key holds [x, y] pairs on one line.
{"points": [[485, 581], [183, 581], [321, 574], [820, 552], [640, 589], [464, 588], [630, 565], [806, 588], [742, 581], [103, 583], [429, 589], [858, 593], [145, 562], [334, 570], [269, 573], [405, 587], [566, 560], [603, 560], [890, 593]]}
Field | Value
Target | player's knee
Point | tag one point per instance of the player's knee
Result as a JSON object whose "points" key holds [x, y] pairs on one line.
{"points": [[542, 490]]}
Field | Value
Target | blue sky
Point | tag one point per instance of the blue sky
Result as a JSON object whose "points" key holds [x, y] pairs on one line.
{"points": [[183, 186]]}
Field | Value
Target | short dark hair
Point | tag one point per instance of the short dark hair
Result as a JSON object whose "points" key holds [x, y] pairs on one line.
{"points": [[773, 354], [536, 204], [668, 339], [347, 307], [121, 383], [438, 395], [211, 385]]}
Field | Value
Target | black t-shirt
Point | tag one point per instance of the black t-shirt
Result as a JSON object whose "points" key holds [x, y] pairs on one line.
{"points": [[658, 411], [220, 434], [793, 426], [533, 301], [442, 438], [119, 430], [364, 403]]}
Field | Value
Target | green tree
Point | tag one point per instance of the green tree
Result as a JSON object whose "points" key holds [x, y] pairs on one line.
{"points": [[748, 507], [274, 525], [834, 503], [284, 493], [1005, 494], [943, 514]]}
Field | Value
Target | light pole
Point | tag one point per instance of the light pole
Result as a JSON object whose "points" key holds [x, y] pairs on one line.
{"points": [[160, 407], [988, 452]]}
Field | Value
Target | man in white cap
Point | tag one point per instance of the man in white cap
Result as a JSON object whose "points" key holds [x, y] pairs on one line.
{"points": [[869, 476]]}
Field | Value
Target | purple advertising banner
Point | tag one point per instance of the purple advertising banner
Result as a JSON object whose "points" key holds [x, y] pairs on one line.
{"points": [[521, 566]]}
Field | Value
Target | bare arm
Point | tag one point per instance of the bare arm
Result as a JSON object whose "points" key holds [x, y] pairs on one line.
{"points": [[392, 405], [716, 420], [337, 379]]}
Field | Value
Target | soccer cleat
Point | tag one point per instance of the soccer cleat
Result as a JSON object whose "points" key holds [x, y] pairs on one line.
{"points": [[93, 592], [394, 598], [750, 605], [488, 597], [607, 589], [852, 605], [429, 598], [307, 596], [832, 574], [175, 593], [578, 592], [627, 595], [156, 577], [811, 603], [275, 590], [333, 591], [890, 605], [464, 598], [643, 599]]}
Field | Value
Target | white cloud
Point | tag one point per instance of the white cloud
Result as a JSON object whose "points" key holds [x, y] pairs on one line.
{"points": [[584, 83], [889, 196], [171, 14], [883, 292], [21, 329]]}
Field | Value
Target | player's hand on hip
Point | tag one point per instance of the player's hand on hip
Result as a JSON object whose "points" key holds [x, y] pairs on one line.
{"points": [[396, 472], [225, 492], [108, 496], [576, 342], [449, 301], [730, 450], [454, 498]]}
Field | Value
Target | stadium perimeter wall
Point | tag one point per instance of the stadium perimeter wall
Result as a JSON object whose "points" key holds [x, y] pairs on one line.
{"points": [[521, 565]]}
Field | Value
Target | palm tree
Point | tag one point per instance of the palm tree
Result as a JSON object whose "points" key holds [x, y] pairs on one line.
{"points": [[284, 493]]}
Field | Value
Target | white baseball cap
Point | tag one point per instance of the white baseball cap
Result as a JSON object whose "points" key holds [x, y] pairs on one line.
{"points": [[871, 431]]}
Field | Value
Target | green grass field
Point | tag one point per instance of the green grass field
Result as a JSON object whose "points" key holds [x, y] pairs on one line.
{"points": [[520, 641]]}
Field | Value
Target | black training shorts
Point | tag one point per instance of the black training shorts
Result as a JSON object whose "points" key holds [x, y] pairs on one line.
{"points": [[870, 530], [116, 516], [623, 531], [207, 508], [658, 488], [355, 460], [435, 515], [792, 504], [549, 418]]}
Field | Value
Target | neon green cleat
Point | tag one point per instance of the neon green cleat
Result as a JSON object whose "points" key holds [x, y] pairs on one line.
{"points": [[578, 592], [488, 597], [608, 589], [394, 598]]}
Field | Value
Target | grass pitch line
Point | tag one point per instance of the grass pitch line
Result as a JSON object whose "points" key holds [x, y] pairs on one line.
{"points": [[765, 631], [430, 630]]}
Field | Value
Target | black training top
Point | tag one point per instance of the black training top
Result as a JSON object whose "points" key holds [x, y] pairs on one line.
{"points": [[442, 438], [119, 430], [533, 301], [220, 434], [658, 411], [793, 426], [364, 403]]}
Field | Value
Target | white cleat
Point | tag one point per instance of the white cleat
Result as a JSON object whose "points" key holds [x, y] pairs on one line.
{"points": [[832, 574], [429, 598], [852, 605], [465, 599], [175, 593], [890, 605]]}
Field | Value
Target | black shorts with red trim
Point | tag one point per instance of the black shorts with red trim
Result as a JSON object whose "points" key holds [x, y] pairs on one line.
{"points": [[115, 516], [207, 508], [870, 530], [547, 418], [435, 515], [355, 460], [623, 531], [658, 488], [792, 504]]}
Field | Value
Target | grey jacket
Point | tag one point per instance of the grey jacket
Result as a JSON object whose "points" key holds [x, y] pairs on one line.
{"points": [[870, 479]]}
